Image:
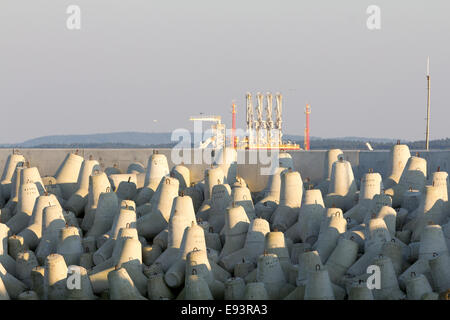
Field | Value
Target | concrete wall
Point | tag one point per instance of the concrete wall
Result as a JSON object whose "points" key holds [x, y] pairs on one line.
{"points": [[309, 163]]}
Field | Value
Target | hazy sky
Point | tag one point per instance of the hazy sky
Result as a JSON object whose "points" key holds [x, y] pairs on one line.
{"points": [[135, 61]]}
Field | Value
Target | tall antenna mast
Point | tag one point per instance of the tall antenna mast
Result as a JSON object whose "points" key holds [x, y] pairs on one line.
{"points": [[427, 138]]}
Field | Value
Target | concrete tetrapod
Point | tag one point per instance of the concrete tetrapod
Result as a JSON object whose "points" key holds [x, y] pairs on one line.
{"points": [[79, 199], [13, 286], [157, 220], [14, 198], [371, 185], [157, 168], [197, 288], [32, 175], [411, 201], [52, 222], [265, 207], [440, 272], [196, 193], [330, 231], [12, 162], [55, 277], [431, 209], [220, 201], [113, 170], [157, 289], [398, 158], [234, 289], [226, 160], [318, 285], [194, 237], [298, 249], [378, 202], [79, 286], [121, 287], [69, 245], [439, 179], [236, 228], [358, 291], [117, 254], [131, 259], [16, 245], [5, 259], [98, 183], [255, 291], [136, 167], [340, 260], [213, 176], [197, 263], [33, 233], [342, 187], [182, 216], [25, 262], [28, 193], [37, 281], [394, 250], [270, 273], [125, 218], [291, 193], [420, 266], [331, 156], [432, 242], [3, 292], [124, 185], [377, 234], [285, 160], [107, 210], [67, 174], [253, 247], [307, 261], [388, 215], [417, 287], [183, 175], [389, 288], [413, 177], [241, 196], [310, 216], [275, 244]]}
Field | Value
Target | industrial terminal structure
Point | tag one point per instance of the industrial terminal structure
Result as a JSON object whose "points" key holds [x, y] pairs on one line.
{"points": [[265, 133], [260, 133]]}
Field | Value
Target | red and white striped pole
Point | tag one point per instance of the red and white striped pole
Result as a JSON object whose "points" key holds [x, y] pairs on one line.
{"points": [[307, 112], [233, 130]]}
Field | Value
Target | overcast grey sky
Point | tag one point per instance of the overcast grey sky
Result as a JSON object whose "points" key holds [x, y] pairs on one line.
{"points": [[135, 61]]}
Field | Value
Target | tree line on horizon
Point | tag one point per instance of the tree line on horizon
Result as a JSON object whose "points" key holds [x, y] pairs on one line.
{"points": [[319, 144]]}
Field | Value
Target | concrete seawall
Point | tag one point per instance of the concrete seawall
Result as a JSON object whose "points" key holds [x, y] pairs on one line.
{"points": [[309, 163]]}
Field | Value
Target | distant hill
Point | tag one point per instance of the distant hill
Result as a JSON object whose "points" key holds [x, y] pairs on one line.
{"points": [[137, 138], [312, 138], [163, 140]]}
